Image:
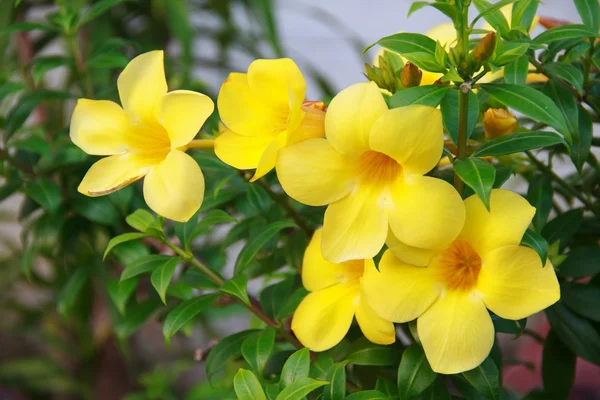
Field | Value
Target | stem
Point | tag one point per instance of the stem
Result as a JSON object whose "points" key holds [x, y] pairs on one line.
{"points": [[86, 84], [564, 184], [194, 261], [463, 114], [201, 144]]}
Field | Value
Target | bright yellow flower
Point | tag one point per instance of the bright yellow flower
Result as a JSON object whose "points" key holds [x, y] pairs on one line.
{"points": [[324, 316], [264, 110], [370, 171], [484, 268], [147, 137]]}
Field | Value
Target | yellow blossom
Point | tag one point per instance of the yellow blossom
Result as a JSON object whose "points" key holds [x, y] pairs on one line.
{"points": [[370, 171], [146, 137], [484, 268], [265, 110], [498, 122], [324, 316]]}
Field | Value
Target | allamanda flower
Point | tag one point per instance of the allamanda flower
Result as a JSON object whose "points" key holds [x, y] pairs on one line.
{"points": [[370, 171], [484, 268], [147, 137], [324, 316], [265, 110]]}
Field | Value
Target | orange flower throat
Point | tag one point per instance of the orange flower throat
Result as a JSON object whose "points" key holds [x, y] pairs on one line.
{"points": [[460, 266]]}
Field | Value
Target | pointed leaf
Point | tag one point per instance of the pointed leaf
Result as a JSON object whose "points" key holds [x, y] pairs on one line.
{"points": [[247, 386], [580, 150], [414, 373], [337, 382], [237, 287], [536, 242], [539, 196], [565, 32], [125, 237], [161, 277], [257, 349], [428, 95], [255, 244], [479, 175], [518, 142], [227, 350], [450, 106], [485, 379], [589, 10], [183, 313], [145, 264], [300, 388], [296, 367], [568, 72]]}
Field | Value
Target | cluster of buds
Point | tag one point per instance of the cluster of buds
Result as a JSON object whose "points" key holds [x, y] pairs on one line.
{"points": [[411, 75], [498, 122], [390, 74]]}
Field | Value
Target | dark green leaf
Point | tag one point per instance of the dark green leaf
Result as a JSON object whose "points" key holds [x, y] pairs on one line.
{"points": [[212, 218], [125, 237], [295, 368], [146, 264], [227, 350], [161, 276], [137, 314], [270, 297], [257, 349], [490, 9], [183, 313], [108, 60], [9, 87], [523, 13], [26, 27], [589, 10], [414, 373], [581, 261], [42, 65], [98, 9], [485, 379], [291, 303], [97, 209], [258, 198], [300, 388], [568, 72], [417, 48], [448, 9], [450, 106], [237, 287], [518, 142], [539, 196], [69, 294], [429, 95], [337, 382], [580, 149], [30, 100], [120, 293], [516, 72], [566, 104], [495, 18], [582, 299], [509, 52], [564, 32], [255, 244], [558, 367], [363, 352], [536, 242], [247, 386], [44, 192], [479, 175], [368, 395], [563, 227]]}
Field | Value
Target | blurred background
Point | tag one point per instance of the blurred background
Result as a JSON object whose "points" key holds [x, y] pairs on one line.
{"points": [[49, 353]]}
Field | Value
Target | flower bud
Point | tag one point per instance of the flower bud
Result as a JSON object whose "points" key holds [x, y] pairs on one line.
{"points": [[498, 122], [484, 49], [411, 75]]}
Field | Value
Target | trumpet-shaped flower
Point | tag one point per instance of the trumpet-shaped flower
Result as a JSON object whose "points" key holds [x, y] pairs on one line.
{"points": [[146, 137], [324, 316], [484, 268], [263, 111], [370, 171]]}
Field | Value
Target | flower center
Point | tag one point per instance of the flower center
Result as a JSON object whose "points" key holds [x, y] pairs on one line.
{"points": [[378, 168], [460, 266], [150, 141]]}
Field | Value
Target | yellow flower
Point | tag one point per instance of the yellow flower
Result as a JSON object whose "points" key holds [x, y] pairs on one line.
{"points": [[370, 171], [144, 138], [324, 316], [484, 268], [264, 110], [498, 122]]}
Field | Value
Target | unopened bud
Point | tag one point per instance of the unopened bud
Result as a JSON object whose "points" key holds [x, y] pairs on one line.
{"points": [[411, 75], [484, 49], [316, 104], [498, 122]]}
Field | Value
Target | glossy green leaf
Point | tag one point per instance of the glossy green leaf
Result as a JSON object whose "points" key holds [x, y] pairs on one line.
{"points": [[270, 297], [450, 106], [518, 142], [255, 244], [509, 52], [300, 388], [319, 368], [428, 95], [363, 352], [536, 242], [368, 395], [570, 73], [589, 10], [583, 299], [184, 312], [125, 237], [447, 9], [237, 287], [580, 150], [565, 32], [495, 18], [479, 175], [295, 368], [485, 379], [337, 382], [227, 350], [272, 390], [46, 193], [247, 386], [523, 13], [516, 72], [539, 196], [417, 48], [161, 277], [146, 264], [414, 373], [563, 227], [140, 219], [490, 9], [558, 367], [581, 261], [566, 104], [257, 349]]}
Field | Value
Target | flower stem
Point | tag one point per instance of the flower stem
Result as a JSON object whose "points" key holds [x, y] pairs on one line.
{"points": [[201, 144], [463, 114], [86, 84]]}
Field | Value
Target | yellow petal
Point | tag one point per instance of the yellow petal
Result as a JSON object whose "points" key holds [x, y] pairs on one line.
{"points": [[355, 227], [375, 328], [313, 173], [412, 135], [175, 187], [239, 151], [514, 284], [142, 84], [323, 317], [311, 126], [269, 156], [505, 224], [429, 78], [318, 273], [422, 201], [398, 292], [351, 115], [456, 332], [183, 113], [244, 112], [278, 82], [409, 254], [99, 127], [111, 174]]}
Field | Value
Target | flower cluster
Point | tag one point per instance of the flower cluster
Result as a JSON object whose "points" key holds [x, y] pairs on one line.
{"points": [[448, 261]]}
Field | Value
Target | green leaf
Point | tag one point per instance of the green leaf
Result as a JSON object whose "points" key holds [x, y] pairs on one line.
{"points": [[363, 352], [247, 386], [120, 293], [125, 237], [516, 72], [565, 32], [479, 175], [291, 303], [140, 219], [211, 218], [69, 294], [523, 13], [589, 10], [272, 390], [146, 264], [184, 313], [319, 369], [97, 9], [28, 102], [558, 367], [429, 95], [257, 349], [509, 52], [270, 297], [295, 368], [539, 196], [563, 227], [566, 104], [485, 379], [46, 193], [368, 395], [447, 9], [9, 87], [255, 244], [568, 72], [530, 102], [42, 65], [581, 261], [582, 299], [137, 314], [300, 388], [27, 260], [495, 18], [258, 198], [108, 60], [227, 350], [337, 382], [97, 209], [237, 287], [518, 142], [26, 27], [580, 149], [536, 242], [449, 107], [576, 332], [161, 277], [414, 373], [490, 9], [418, 49]]}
